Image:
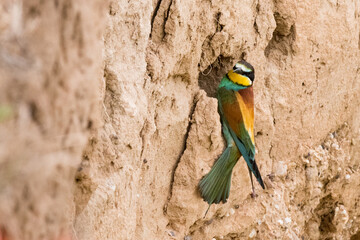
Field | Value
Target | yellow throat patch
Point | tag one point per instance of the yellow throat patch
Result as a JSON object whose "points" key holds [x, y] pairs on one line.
{"points": [[239, 79]]}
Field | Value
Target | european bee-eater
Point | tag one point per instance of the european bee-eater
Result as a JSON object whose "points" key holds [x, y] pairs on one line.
{"points": [[236, 108]]}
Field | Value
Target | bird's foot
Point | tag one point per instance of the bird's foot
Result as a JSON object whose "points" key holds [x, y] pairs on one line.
{"points": [[253, 195]]}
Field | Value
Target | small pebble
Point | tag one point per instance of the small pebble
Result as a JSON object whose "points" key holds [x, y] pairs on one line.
{"points": [[232, 211], [187, 237], [280, 222], [137, 195], [347, 176], [287, 220], [341, 217], [252, 233], [276, 206], [336, 146]]}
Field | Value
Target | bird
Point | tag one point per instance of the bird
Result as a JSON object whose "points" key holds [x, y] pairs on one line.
{"points": [[236, 108]]}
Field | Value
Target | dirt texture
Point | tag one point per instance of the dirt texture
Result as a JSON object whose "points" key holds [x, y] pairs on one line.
{"points": [[50, 66], [108, 118]]}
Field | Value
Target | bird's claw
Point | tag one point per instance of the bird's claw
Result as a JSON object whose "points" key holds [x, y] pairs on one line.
{"points": [[253, 195]]}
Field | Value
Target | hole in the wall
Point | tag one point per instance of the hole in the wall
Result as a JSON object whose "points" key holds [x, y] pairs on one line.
{"points": [[325, 211], [89, 124], [210, 78], [280, 43]]}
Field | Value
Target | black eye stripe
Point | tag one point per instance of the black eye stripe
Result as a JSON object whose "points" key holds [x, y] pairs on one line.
{"points": [[242, 72], [250, 75]]}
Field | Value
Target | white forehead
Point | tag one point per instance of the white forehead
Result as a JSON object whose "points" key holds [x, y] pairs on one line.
{"points": [[243, 67]]}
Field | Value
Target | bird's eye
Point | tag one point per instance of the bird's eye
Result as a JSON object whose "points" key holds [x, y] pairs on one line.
{"points": [[234, 68]]}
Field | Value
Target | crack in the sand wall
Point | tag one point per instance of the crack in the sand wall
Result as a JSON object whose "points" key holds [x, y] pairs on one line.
{"points": [[154, 15], [192, 110]]}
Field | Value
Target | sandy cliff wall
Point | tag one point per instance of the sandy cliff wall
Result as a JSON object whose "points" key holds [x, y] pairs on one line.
{"points": [[112, 105]]}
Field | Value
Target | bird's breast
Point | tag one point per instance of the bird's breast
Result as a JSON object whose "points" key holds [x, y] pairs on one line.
{"points": [[245, 98]]}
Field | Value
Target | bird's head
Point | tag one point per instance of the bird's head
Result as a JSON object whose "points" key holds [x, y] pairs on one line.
{"points": [[242, 74]]}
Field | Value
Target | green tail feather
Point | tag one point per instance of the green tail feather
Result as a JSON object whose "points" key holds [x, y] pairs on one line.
{"points": [[215, 186]]}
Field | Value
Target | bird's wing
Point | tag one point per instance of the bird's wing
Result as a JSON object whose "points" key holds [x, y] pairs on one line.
{"points": [[238, 112]]}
